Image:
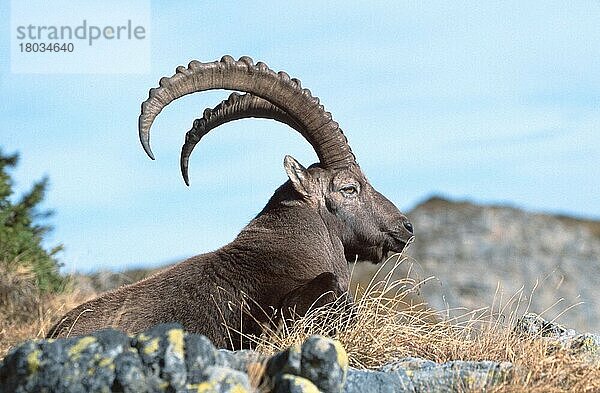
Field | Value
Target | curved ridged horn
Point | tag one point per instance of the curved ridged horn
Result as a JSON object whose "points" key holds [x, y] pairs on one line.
{"points": [[321, 131], [235, 107]]}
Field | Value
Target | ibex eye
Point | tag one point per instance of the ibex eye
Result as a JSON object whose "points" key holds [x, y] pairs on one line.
{"points": [[349, 190]]}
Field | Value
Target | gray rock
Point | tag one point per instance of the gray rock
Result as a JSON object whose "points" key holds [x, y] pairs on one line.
{"points": [[586, 345], [129, 373], [286, 362], [219, 379], [459, 376], [324, 361], [200, 353], [533, 325], [161, 350], [288, 383], [359, 381], [409, 363], [78, 364], [161, 359], [420, 375]]}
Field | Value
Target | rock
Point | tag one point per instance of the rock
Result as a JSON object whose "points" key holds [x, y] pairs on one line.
{"points": [[78, 364], [163, 358], [130, 374], [200, 353], [324, 361], [459, 376], [288, 383], [286, 362], [420, 375], [166, 359], [586, 345], [533, 325], [359, 381], [221, 380], [161, 350]]}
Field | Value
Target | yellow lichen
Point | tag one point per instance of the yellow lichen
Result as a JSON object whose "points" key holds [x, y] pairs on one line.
{"points": [[211, 386], [238, 388], [33, 361], [470, 380], [151, 346], [206, 387], [175, 337], [589, 344], [342, 356], [302, 383], [80, 346], [106, 362], [296, 348]]}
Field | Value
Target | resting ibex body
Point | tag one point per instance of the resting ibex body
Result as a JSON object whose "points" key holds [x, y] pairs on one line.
{"points": [[295, 250]]}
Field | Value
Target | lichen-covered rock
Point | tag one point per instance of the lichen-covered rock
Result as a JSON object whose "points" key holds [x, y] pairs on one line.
{"points": [[161, 359], [420, 375], [586, 345], [200, 353], [288, 383], [161, 350], [166, 359], [130, 376], [324, 361], [459, 376], [533, 325], [78, 364], [221, 380], [285, 362], [359, 381]]}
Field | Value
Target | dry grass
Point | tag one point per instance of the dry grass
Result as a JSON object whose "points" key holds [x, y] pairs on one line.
{"points": [[25, 313], [386, 324]]}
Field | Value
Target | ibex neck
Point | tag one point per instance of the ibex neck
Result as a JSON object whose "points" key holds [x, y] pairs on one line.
{"points": [[295, 236]]}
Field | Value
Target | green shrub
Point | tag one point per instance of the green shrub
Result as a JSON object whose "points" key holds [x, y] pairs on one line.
{"points": [[22, 230]]}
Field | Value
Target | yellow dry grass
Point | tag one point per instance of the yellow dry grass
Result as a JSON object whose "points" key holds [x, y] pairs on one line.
{"points": [[386, 324], [25, 313]]}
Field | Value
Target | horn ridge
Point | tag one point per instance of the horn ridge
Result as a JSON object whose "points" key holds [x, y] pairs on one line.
{"points": [[258, 79], [235, 107]]}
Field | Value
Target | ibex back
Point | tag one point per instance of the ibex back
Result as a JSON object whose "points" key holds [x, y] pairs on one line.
{"points": [[293, 253]]}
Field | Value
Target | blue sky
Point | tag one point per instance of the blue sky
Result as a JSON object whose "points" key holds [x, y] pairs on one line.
{"points": [[490, 101]]}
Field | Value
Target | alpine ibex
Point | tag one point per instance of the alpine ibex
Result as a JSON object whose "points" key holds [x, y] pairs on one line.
{"points": [[295, 250]]}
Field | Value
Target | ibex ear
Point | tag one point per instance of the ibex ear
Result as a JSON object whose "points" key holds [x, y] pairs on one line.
{"points": [[301, 179]]}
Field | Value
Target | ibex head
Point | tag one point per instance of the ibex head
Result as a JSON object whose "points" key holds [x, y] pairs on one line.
{"points": [[367, 223]]}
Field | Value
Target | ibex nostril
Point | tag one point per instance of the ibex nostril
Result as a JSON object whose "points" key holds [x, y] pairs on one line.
{"points": [[408, 226]]}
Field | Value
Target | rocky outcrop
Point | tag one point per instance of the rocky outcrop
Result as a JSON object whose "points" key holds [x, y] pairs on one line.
{"points": [[470, 249], [585, 345], [166, 359]]}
